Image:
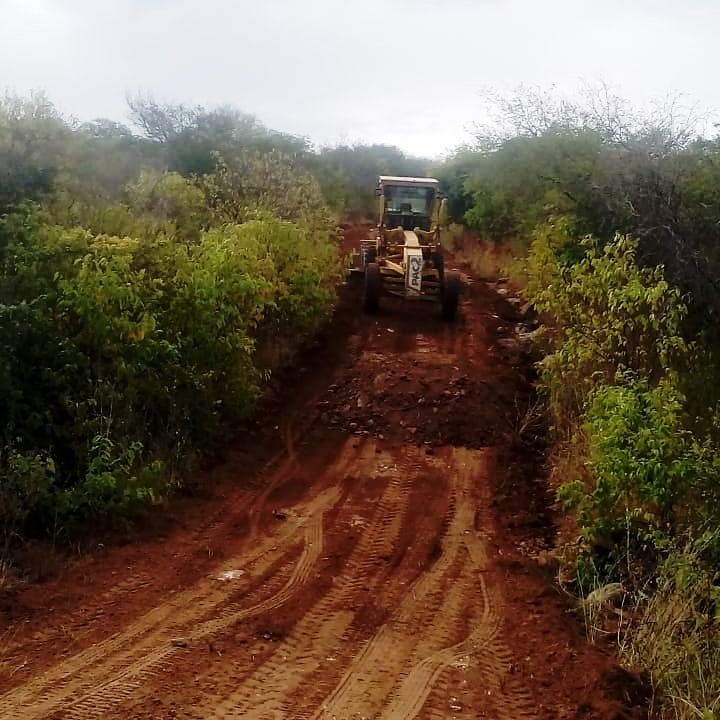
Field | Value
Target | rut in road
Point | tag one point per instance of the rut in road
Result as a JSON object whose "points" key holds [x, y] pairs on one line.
{"points": [[391, 677], [98, 679], [304, 650], [364, 584]]}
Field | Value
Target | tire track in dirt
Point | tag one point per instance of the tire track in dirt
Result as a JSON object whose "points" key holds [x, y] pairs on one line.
{"points": [[382, 589], [81, 624], [265, 694], [112, 669], [438, 593], [510, 699], [104, 698], [88, 672], [300, 661], [483, 649], [246, 501], [393, 679]]}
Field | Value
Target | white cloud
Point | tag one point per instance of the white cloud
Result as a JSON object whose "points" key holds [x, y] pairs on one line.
{"points": [[404, 71]]}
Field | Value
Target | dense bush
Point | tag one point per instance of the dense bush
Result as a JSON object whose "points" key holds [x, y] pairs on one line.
{"points": [[652, 478], [348, 175], [120, 355], [133, 302], [610, 315]]}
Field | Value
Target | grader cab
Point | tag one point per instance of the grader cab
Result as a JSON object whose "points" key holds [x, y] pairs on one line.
{"points": [[403, 255]]}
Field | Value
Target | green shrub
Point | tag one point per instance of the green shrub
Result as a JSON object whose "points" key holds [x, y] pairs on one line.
{"points": [[123, 354], [609, 315], [25, 482], [645, 465]]}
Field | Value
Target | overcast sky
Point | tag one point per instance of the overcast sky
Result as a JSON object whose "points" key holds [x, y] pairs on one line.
{"points": [[407, 72]]}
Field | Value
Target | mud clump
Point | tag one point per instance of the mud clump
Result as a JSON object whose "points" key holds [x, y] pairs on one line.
{"points": [[420, 403]]}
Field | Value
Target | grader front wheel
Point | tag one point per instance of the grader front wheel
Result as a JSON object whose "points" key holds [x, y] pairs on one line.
{"points": [[450, 294], [438, 261], [373, 287]]}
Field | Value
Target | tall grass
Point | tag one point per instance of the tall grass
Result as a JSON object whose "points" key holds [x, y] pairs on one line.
{"points": [[677, 635], [490, 260]]}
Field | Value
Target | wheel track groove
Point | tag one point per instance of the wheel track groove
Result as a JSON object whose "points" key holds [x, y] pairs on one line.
{"points": [[381, 657], [109, 668], [484, 647], [328, 623], [102, 699]]}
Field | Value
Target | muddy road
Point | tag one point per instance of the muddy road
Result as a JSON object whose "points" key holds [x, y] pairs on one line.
{"points": [[371, 548]]}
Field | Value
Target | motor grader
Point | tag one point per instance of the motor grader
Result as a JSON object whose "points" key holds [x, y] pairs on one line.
{"points": [[403, 255]]}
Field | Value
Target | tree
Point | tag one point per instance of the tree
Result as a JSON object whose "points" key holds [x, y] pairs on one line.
{"points": [[190, 137], [350, 173], [31, 144]]}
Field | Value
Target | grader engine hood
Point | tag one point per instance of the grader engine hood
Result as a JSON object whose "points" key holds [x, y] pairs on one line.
{"points": [[413, 262]]}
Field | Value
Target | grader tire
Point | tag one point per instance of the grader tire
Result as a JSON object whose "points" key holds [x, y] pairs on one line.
{"points": [[373, 288], [438, 261], [450, 295], [370, 256]]}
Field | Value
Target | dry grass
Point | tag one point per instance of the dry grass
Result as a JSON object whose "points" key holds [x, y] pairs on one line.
{"points": [[677, 640], [490, 260], [670, 628]]}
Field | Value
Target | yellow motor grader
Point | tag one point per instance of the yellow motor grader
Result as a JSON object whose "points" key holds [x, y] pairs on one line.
{"points": [[403, 255]]}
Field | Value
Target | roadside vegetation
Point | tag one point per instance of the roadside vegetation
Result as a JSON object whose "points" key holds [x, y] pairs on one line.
{"points": [[608, 220], [150, 280]]}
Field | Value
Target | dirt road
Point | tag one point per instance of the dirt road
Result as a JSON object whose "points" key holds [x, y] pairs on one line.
{"points": [[369, 550]]}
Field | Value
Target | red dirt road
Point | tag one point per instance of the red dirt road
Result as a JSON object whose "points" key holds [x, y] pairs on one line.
{"points": [[367, 551]]}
